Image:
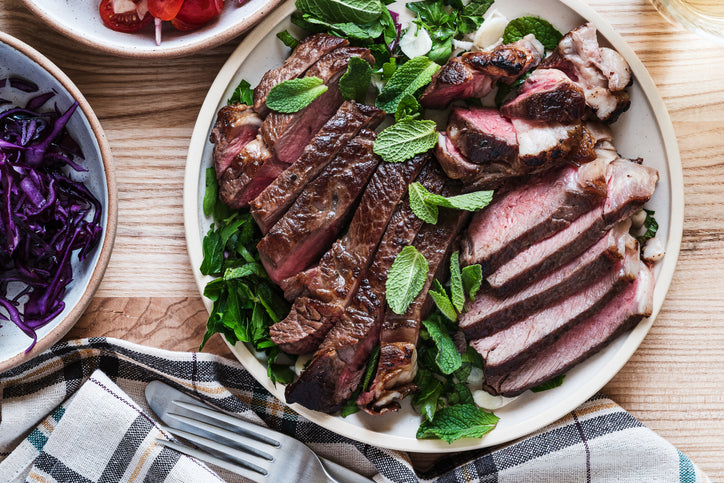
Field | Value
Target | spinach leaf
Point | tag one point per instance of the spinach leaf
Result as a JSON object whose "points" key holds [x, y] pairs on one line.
{"points": [[651, 225], [555, 382], [333, 11], [355, 82], [287, 39], [243, 94], [546, 33]]}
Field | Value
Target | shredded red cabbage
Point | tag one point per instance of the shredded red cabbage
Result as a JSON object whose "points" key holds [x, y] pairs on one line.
{"points": [[45, 216]]}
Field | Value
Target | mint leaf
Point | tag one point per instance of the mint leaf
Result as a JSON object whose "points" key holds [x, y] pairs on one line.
{"points": [[406, 278], [407, 107], [505, 89], [456, 283], [425, 203], [546, 33], [424, 211], [652, 226], [405, 139], [243, 94], [295, 94], [459, 393], [472, 276], [455, 422], [448, 358], [442, 301], [389, 68], [555, 382], [333, 11], [430, 390], [355, 82], [410, 77], [353, 31], [287, 39]]}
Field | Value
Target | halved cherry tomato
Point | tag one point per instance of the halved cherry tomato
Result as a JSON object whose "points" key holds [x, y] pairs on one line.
{"points": [[195, 13], [125, 15], [164, 9]]}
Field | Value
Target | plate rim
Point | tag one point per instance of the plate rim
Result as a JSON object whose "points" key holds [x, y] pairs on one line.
{"points": [[111, 209], [154, 51], [553, 412]]}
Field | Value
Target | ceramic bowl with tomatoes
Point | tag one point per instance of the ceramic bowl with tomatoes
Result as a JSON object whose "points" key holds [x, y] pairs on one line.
{"points": [[151, 28]]}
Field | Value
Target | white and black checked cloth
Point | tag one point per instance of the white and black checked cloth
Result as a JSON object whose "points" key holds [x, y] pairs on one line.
{"points": [[77, 413]]}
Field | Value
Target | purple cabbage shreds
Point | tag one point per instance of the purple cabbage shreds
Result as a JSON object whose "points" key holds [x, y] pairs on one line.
{"points": [[45, 216], [23, 84], [395, 19]]}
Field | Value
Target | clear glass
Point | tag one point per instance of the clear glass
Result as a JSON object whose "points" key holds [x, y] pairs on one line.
{"points": [[703, 17]]}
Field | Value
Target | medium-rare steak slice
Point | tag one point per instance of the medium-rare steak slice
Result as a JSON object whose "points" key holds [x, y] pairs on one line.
{"points": [[328, 288], [320, 212], [507, 349], [235, 126], [546, 144], [475, 73], [271, 204], [288, 134], [582, 340], [489, 313], [548, 95], [531, 213], [482, 135], [601, 72], [306, 54]]}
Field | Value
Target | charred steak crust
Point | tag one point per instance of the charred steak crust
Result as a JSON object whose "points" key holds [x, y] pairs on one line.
{"points": [[235, 126], [548, 95]]}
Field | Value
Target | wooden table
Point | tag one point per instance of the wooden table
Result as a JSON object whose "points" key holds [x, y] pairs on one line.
{"points": [[675, 381]]}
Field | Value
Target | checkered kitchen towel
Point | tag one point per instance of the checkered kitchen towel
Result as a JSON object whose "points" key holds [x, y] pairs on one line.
{"points": [[78, 413]]}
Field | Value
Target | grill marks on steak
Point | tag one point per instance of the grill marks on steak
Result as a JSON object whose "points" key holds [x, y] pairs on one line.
{"points": [[475, 73], [306, 54], [548, 95], [235, 126], [288, 134], [351, 117], [328, 288], [582, 340], [320, 212]]}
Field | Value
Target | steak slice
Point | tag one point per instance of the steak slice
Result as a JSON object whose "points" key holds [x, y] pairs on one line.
{"points": [[475, 73], [328, 288], [320, 212], [306, 54], [288, 134], [482, 135], [531, 213], [235, 126], [488, 313], [509, 348], [543, 145], [271, 204], [581, 341], [548, 95], [602, 73]]}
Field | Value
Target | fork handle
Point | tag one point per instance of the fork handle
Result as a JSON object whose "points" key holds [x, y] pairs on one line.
{"points": [[341, 473]]}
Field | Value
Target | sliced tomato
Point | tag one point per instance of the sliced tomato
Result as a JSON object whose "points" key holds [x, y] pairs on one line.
{"points": [[164, 9], [195, 13], [125, 15]]}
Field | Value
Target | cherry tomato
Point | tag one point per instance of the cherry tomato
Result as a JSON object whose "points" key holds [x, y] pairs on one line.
{"points": [[195, 13], [125, 15], [164, 9]]}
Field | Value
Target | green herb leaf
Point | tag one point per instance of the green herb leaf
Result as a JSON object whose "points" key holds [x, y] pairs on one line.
{"points": [[430, 390], [333, 11], [295, 94], [651, 225], [355, 82], [505, 89], [555, 382], [243, 94], [389, 68], [423, 210], [211, 193], [456, 283], [472, 276], [546, 33], [287, 39], [213, 249], [371, 368], [424, 203], [455, 422], [448, 358], [405, 139], [406, 278], [459, 393], [408, 107], [410, 77], [442, 300], [350, 407]]}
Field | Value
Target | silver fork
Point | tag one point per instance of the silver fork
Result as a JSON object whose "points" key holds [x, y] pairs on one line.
{"points": [[247, 449]]}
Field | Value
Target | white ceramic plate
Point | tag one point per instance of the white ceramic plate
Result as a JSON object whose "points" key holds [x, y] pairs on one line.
{"points": [[80, 20], [645, 130], [21, 60]]}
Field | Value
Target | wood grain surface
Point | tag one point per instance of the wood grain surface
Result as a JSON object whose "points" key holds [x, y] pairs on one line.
{"points": [[675, 381]]}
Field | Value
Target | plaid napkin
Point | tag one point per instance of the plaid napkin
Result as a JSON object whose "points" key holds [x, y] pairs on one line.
{"points": [[78, 413]]}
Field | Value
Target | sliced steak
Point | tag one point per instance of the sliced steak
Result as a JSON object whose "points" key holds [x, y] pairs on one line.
{"points": [[507, 349], [328, 288], [539, 259], [548, 95], [546, 144], [489, 313], [306, 54], [271, 204], [531, 213], [482, 135], [602, 73], [475, 73], [235, 126], [582, 340], [288, 134], [320, 212]]}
